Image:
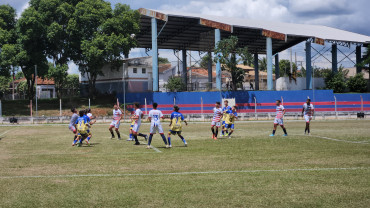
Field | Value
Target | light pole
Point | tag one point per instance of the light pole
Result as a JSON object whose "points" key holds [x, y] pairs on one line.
{"points": [[124, 91], [36, 86]]}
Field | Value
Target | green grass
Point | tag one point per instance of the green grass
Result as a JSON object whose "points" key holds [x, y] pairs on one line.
{"points": [[305, 176]]}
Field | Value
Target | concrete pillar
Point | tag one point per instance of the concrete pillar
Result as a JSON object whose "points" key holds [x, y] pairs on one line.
{"points": [[308, 66], [210, 70], [184, 70], [218, 64], [256, 73], [269, 63], [277, 69], [155, 56], [358, 59], [334, 58]]}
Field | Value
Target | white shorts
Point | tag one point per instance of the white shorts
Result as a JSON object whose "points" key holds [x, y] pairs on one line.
{"points": [[136, 127], [115, 123], [154, 129], [307, 118], [72, 128], [279, 121], [217, 124]]}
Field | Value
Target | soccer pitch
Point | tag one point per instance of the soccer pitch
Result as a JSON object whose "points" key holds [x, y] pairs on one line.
{"points": [[330, 168]]}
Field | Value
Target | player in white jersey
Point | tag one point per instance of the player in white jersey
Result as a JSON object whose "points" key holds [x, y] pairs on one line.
{"points": [[280, 111], [155, 117], [138, 115], [216, 120], [307, 111], [117, 116]]}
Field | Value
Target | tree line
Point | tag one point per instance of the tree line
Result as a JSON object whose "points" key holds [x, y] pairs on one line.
{"points": [[51, 33]]}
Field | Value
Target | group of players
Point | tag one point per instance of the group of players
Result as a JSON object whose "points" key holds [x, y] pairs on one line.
{"points": [[223, 118]]}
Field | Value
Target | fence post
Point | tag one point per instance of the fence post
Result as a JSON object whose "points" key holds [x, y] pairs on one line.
{"points": [[255, 108], [335, 107], [146, 107], [1, 109], [89, 102], [362, 104], [31, 107]]}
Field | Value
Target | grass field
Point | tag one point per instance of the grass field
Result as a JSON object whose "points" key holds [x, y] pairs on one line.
{"points": [[330, 168]]}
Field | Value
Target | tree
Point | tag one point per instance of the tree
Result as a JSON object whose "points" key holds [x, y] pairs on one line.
{"points": [[163, 60], [4, 85], [336, 81], [100, 36], [228, 52], [175, 84], [284, 68], [7, 39], [204, 62], [72, 82], [59, 74], [262, 64], [357, 83]]}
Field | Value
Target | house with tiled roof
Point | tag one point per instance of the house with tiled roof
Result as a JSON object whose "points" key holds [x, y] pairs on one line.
{"points": [[45, 87]]}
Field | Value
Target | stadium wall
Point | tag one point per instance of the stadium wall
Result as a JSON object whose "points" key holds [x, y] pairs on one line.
{"points": [[203, 102]]}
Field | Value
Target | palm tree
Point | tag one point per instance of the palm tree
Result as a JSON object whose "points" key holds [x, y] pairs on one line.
{"points": [[262, 64]]}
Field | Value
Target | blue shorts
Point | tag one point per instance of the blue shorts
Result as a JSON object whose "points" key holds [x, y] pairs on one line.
{"points": [[223, 123], [229, 126]]}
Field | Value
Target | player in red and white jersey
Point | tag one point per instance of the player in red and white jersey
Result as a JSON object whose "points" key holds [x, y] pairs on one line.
{"points": [[307, 111], [280, 111], [117, 116], [216, 120]]}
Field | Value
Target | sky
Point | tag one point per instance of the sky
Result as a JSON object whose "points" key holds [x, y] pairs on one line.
{"points": [[350, 15]]}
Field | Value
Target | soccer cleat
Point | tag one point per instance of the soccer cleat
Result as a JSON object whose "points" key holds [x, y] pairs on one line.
{"points": [[119, 138], [130, 139], [146, 137], [185, 144], [229, 137], [137, 143], [271, 135], [112, 137], [167, 146], [148, 147], [285, 135], [87, 142], [215, 138]]}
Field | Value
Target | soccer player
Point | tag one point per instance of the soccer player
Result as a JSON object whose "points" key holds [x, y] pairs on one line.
{"points": [[72, 124], [280, 111], [117, 116], [230, 122], [175, 124], [82, 126], [217, 113], [131, 127], [89, 117], [155, 117], [138, 115], [225, 111], [307, 111]]}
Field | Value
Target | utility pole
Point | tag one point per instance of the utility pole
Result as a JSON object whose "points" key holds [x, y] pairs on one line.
{"points": [[291, 60]]}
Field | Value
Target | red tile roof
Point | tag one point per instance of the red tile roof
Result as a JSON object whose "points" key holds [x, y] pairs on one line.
{"points": [[40, 81]]}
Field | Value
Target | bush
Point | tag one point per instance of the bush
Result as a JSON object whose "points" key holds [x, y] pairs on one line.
{"points": [[357, 83], [335, 81], [175, 84]]}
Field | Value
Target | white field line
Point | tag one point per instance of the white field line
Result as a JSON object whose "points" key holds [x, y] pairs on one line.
{"points": [[152, 147], [80, 153], [332, 139], [183, 173], [6, 132]]}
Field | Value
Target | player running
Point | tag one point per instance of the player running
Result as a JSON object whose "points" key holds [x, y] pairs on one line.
{"points": [[89, 117], [155, 117], [72, 124], [225, 112], [229, 124], [217, 113], [82, 125], [308, 111], [175, 124], [131, 127], [117, 116], [138, 115], [280, 111]]}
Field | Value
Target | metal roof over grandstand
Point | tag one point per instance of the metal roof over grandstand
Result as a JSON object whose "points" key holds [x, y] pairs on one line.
{"points": [[179, 30]]}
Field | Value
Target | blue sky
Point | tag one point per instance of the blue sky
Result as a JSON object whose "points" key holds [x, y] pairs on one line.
{"points": [[350, 15]]}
